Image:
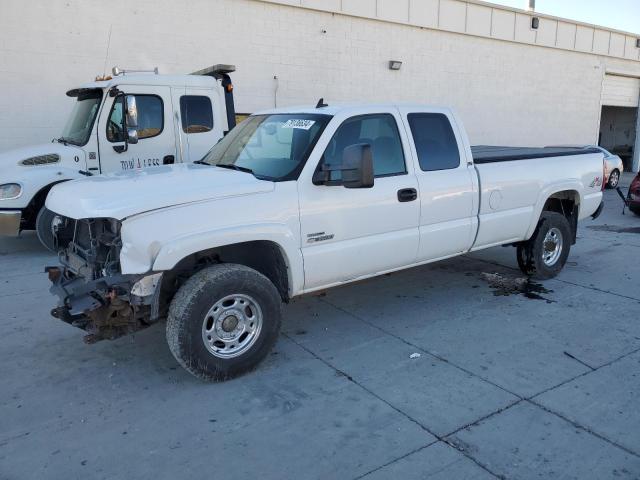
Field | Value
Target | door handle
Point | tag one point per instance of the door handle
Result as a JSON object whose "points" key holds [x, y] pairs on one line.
{"points": [[407, 195], [168, 160]]}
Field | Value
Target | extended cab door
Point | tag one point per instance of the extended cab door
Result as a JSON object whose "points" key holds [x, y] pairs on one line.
{"points": [[447, 184], [156, 138], [200, 121], [351, 233]]}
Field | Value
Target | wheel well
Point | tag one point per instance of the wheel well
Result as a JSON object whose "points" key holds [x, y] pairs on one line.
{"points": [[30, 212], [263, 256], [566, 203]]}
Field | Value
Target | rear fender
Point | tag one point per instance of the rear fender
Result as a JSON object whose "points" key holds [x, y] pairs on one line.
{"points": [[548, 192]]}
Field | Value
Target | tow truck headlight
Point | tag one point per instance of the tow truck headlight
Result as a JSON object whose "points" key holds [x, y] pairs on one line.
{"points": [[9, 191]]}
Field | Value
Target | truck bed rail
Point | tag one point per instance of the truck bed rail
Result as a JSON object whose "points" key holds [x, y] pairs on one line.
{"points": [[490, 153]]}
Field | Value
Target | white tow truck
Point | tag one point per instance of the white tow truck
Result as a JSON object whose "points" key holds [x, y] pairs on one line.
{"points": [[129, 121], [298, 200]]}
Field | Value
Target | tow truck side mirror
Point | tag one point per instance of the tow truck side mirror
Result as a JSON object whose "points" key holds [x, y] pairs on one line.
{"points": [[131, 119], [357, 166]]}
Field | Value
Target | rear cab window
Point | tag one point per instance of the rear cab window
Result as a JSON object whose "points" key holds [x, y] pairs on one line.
{"points": [[435, 141], [378, 130], [196, 113]]}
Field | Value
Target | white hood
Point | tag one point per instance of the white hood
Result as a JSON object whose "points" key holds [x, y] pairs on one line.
{"points": [[10, 160], [124, 194]]}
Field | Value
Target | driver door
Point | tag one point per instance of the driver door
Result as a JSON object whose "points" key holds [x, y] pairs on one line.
{"points": [[354, 233], [156, 134]]}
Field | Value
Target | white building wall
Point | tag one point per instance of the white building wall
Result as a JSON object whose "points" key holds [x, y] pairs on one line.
{"points": [[506, 92]]}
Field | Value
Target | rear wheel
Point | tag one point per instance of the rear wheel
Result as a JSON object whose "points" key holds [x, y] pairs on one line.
{"points": [[223, 321], [44, 228], [635, 210], [546, 252], [614, 179]]}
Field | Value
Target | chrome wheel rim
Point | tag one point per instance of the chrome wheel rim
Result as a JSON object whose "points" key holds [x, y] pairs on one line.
{"points": [[232, 326], [613, 179], [552, 247]]}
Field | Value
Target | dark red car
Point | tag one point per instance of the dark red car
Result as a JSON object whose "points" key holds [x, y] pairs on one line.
{"points": [[634, 195]]}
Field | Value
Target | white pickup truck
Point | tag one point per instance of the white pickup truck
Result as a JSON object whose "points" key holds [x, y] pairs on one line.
{"points": [[129, 121], [295, 201]]}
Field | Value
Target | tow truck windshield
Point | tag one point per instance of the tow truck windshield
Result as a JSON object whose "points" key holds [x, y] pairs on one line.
{"points": [[271, 147], [78, 127]]}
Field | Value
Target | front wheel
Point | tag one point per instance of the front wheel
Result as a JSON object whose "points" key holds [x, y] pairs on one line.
{"points": [[545, 253], [614, 179], [44, 228], [223, 321]]}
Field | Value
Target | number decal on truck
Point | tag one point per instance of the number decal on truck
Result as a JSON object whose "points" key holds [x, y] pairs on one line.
{"points": [[139, 163], [299, 123]]}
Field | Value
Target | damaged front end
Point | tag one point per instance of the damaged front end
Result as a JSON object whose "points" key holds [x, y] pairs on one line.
{"points": [[94, 295]]}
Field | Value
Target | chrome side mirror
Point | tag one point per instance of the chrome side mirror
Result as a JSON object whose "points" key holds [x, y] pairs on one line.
{"points": [[132, 136], [132, 111], [131, 119]]}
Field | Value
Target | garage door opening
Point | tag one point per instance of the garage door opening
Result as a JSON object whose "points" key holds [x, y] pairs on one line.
{"points": [[618, 122], [618, 132]]}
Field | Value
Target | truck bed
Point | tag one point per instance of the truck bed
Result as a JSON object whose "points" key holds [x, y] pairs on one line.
{"points": [[494, 153]]}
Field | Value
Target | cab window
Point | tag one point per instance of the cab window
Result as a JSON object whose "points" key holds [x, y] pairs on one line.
{"points": [[381, 132], [196, 113], [435, 141], [150, 118]]}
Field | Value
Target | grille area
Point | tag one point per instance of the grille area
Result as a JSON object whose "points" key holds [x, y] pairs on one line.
{"points": [[89, 248]]}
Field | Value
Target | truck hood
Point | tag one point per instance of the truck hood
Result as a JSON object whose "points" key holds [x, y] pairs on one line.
{"points": [[123, 194], [11, 160]]}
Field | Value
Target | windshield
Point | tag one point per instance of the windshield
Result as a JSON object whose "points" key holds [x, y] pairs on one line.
{"points": [[80, 122], [272, 147]]}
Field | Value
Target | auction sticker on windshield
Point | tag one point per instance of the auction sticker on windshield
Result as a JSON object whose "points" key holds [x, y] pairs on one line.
{"points": [[299, 123]]}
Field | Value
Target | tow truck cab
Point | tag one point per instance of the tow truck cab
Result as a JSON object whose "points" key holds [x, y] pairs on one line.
{"points": [[130, 120]]}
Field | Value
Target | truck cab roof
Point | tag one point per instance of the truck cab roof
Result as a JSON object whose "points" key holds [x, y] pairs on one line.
{"points": [[197, 81]]}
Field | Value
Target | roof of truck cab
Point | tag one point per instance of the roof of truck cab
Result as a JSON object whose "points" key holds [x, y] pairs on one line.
{"points": [[341, 108], [152, 79]]}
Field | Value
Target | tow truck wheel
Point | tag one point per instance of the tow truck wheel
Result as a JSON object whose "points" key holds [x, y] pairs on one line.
{"points": [[44, 228], [223, 321], [545, 253]]}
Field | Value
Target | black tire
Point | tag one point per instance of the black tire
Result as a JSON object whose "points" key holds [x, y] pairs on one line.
{"points": [[44, 229], [635, 210], [193, 305], [532, 253], [614, 179]]}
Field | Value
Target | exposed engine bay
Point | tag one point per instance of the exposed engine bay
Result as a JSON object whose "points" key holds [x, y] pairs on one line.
{"points": [[94, 295]]}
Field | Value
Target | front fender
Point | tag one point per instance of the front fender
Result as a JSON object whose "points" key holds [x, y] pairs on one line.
{"points": [[33, 180], [159, 257]]}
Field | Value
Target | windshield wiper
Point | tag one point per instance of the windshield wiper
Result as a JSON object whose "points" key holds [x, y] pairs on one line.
{"points": [[62, 140], [235, 167], [201, 162]]}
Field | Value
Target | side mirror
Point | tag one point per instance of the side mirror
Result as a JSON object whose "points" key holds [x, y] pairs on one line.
{"points": [[357, 166], [131, 119], [132, 111], [132, 136], [356, 169]]}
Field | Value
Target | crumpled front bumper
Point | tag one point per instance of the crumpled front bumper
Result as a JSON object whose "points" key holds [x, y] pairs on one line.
{"points": [[105, 308], [10, 222]]}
